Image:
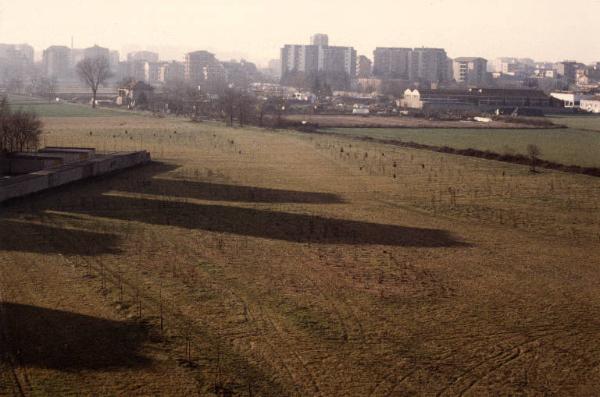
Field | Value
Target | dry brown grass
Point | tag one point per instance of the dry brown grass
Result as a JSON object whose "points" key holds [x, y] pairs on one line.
{"points": [[301, 265]]}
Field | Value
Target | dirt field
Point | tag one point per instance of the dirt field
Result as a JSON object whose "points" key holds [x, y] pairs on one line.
{"points": [[264, 263], [326, 121]]}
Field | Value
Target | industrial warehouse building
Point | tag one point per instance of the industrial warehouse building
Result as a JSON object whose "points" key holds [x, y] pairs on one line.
{"points": [[487, 99]]}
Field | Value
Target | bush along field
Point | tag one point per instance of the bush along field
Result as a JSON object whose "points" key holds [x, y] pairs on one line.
{"points": [[253, 262]]}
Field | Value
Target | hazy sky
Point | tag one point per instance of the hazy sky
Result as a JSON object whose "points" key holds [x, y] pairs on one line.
{"points": [[541, 29]]}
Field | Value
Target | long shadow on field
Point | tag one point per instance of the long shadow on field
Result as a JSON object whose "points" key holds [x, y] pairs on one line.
{"points": [[285, 226], [47, 338], [144, 181], [31, 237], [222, 192]]}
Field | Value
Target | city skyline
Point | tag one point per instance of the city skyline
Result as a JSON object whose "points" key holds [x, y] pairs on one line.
{"points": [[256, 30]]}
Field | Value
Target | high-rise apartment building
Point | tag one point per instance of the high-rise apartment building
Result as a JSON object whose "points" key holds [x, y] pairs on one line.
{"points": [[26, 51], [391, 62], [16, 61], [470, 70], [339, 60], [319, 39], [77, 55], [136, 70], [319, 57], [428, 65], [364, 67], [96, 52], [568, 70], [170, 72], [148, 56], [152, 72], [114, 59], [299, 58], [203, 69], [56, 61]]}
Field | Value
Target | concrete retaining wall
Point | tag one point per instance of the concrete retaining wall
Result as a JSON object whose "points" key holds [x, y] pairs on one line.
{"points": [[41, 180], [69, 155], [26, 163]]}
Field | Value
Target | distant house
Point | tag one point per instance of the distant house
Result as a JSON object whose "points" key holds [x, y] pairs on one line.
{"points": [[591, 105], [570, 100], [135, 94]]}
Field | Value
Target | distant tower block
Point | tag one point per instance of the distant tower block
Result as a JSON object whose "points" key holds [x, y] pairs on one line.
{"points": [[320, 39]]}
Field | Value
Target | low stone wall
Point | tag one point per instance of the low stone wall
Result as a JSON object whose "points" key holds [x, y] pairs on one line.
{"points": [[69, 155], [34, 182]]}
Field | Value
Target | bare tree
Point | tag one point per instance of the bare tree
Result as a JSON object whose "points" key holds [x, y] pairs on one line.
{"points": [[94, 72], [246, 104], [228, 105], [534, 152], [46, 87], [19, 130], [5, 113], [51, 88], [260, 111]]}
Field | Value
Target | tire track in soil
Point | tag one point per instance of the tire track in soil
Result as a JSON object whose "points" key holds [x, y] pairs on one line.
{"points": [[344, 309], [464, 382], [389, 379], [339, 313], [506, 356], [260, 317], [113, 277]]}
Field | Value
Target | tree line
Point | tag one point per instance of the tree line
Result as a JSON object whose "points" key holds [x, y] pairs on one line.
{"points": [[20, 130], [231, 104]]}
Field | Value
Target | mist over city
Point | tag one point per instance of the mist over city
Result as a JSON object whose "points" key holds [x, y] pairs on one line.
{"points": [[316, 198]]}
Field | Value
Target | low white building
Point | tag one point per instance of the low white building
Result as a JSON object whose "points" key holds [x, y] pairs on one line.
{"points": [[411, 100], [591, 105], [571, 100]]}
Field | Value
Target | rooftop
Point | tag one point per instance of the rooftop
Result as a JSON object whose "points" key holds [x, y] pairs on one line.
{"points": [[469, 59]]}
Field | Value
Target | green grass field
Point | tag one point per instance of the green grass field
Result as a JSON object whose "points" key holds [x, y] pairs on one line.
{"points": [[45, 109], [577, 145]]}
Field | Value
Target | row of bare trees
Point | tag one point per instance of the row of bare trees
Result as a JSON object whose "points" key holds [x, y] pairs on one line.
{"points": [[19, 130], [233, 105]]}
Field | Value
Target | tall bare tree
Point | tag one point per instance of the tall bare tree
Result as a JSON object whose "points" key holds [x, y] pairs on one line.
{"points": [[228, 105], [94, 72]]}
